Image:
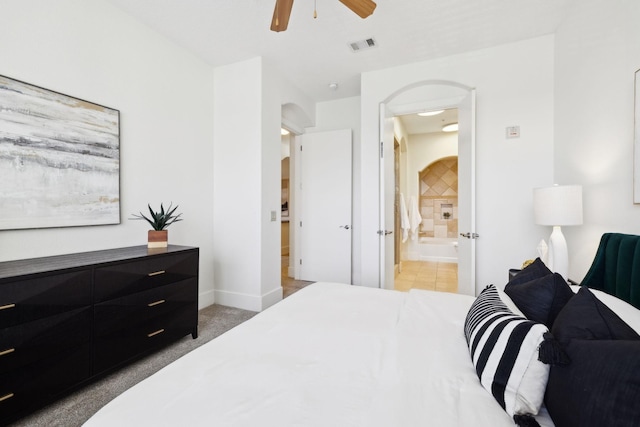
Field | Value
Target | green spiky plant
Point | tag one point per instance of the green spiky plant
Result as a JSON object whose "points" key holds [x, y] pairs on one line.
{"points": [[162, 219]]}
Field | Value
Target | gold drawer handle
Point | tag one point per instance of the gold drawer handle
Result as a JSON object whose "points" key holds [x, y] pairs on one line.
{"points": [[151, 304], [7, 351], [153, 334], [6, 307], [6, 396], [156, 273]]}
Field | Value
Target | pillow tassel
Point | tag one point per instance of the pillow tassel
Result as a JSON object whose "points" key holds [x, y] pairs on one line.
{"points": [[551, 352], [525, 420]]}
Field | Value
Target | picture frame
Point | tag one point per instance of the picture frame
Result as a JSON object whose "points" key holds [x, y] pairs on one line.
{"points": [[636, 138], [60, 159]]}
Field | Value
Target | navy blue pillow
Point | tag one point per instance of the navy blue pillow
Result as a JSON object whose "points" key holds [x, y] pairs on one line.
{"points": [[586, 317], [541, 298], [600, 386], [535, 270]]}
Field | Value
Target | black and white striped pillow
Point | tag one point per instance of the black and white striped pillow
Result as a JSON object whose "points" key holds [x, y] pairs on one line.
{"points": [[504, 350]]}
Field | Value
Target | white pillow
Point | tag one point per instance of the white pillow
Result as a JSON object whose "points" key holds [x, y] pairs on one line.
{"points": [[496, 336], [628, 313], [506, 299]]}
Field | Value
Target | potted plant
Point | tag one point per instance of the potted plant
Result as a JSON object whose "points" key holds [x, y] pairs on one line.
{"points": [[159, 221]]}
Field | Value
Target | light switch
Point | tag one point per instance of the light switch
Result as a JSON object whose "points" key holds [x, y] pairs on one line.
{"points": [[513, 132], [273, 216]]}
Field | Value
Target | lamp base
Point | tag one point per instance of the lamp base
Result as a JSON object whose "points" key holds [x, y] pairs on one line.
{"points": [[558, 253]]}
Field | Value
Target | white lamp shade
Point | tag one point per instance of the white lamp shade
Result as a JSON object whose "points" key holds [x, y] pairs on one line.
{"points": [[558, 205]]}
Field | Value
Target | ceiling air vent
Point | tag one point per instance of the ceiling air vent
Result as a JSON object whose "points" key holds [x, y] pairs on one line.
{"points": [[361, 45]]}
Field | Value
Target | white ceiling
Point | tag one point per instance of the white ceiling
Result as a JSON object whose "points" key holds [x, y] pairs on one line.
{"points": [[314, 52], [415, 124]]}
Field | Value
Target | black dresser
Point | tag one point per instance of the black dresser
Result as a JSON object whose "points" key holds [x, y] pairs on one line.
{"points": [[67, 319]]}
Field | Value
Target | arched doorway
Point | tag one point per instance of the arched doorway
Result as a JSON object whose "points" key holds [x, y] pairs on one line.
{"points": [[429, 95]]}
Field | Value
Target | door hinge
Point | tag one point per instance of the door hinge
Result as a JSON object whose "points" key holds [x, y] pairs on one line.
{"points": [[300, 261], [381, 149], [300, 223]]}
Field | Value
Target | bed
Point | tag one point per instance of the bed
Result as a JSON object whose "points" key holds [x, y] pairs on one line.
{"points": [[330, 354], [340, 355]]}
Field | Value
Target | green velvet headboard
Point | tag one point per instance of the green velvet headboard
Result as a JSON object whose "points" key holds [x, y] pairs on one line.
{"points": [[616, 267]]}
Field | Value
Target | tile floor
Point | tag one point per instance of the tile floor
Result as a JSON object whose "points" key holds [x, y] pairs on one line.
{"points": [[433, 276]]}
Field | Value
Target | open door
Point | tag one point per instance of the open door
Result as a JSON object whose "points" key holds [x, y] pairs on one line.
{"points": [[324, 220], [387, 195], [466, 185], [467, 195]]}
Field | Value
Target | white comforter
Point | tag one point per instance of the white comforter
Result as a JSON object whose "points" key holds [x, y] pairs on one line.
{"points": [[329, 355]]}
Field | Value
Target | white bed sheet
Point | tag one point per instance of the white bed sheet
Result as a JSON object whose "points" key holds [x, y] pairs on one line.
{"points": [[329, 355]]}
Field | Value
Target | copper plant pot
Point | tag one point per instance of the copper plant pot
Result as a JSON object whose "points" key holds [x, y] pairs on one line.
{"points": [[158, 238]]}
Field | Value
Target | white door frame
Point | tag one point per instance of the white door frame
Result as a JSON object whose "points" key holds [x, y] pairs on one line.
{"points": [[385, 112]]}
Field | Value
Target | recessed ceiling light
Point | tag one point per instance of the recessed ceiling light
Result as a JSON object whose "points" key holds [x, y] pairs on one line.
{"points": [[451, 127], [283, 131], [430, 113]]}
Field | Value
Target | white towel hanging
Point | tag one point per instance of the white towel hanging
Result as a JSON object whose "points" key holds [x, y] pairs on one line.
{"points": [[414, 217], [405, 225]]}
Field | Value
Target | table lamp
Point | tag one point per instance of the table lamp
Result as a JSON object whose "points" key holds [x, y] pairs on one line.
{"points": [[556, 206]]}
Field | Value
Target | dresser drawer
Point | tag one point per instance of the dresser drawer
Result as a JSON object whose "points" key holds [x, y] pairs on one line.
{"points": [[116, 346], [41, 339], [136, 276], [32, 385], [124, 313], [27, 300]]}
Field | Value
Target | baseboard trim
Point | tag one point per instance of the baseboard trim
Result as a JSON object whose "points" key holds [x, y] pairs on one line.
{"points": [[247, 301], [206, 299]]}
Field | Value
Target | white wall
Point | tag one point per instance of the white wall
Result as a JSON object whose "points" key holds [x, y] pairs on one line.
{"points": [[237, 169], [514, 86], [93, 51], [247, 181], [597, 53], [270, 186]]}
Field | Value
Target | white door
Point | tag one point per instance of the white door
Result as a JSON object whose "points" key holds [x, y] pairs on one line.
{"points": [[324, 220], [387, 190], [466, 194]]}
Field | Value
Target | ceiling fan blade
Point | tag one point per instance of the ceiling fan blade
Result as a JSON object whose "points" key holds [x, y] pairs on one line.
{"points": [[362, 8], [281, 15]]}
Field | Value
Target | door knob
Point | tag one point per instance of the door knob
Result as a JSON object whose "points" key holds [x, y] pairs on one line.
{"points": [[346, 227], [470, 235]]}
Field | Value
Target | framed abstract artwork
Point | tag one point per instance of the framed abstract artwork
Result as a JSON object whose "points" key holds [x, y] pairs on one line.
{"points": [[59, 157], [636, 139]]}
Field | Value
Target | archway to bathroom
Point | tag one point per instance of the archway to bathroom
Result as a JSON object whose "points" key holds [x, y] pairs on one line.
{"points": [[426, 207], [427, 96]]}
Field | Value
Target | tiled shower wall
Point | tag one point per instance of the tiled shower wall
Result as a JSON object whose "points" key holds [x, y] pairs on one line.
{"points": [[439, 198]]}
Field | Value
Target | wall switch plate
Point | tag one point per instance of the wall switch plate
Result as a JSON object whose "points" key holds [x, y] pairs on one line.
{"points": [[513, 132], [273, 216]]}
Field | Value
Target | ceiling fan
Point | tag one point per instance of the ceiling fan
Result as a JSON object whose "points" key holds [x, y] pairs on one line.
{"points": [[280, 21]]}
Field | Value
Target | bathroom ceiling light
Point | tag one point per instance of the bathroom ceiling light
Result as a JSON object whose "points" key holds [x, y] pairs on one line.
{"points": [[430, 113], [283, 131], [451, 127]]}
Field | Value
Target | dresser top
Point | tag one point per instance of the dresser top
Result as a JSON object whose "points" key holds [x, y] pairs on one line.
{"points": [[26, 267]]}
